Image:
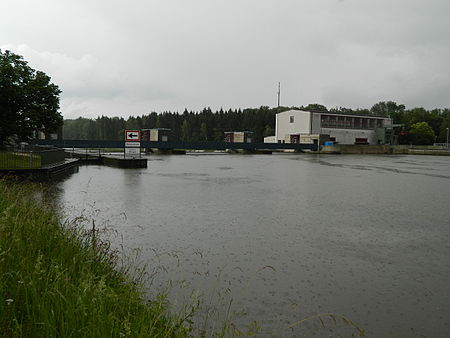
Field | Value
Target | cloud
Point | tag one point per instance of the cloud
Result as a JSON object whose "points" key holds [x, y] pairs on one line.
{"points": [[92, 86], [139, 56]]}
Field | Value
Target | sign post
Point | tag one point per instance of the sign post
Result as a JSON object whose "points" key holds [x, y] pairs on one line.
{"points": [[132, 143]]}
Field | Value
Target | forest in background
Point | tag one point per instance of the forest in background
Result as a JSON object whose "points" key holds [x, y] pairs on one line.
{"points": [[419, 126]]}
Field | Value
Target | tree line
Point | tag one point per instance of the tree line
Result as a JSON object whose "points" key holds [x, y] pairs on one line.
{"points": [[29, 103], [205, 125], [417, 125]]}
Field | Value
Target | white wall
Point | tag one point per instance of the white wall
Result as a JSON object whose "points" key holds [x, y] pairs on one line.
{"points": [[347, 136], [302, 125], [270, 139], [283, 125]]}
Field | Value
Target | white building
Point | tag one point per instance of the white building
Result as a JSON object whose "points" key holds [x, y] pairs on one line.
{"points": [[270, 139], [298, 126]]}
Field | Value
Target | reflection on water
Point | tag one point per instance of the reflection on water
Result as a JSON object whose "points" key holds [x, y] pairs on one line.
{"points": [[285, 237]]}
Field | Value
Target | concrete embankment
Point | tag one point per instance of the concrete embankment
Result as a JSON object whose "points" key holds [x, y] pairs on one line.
{"points": [[110, 160], [46, 172], [439, 152], [124, 162], [384, 149], [70, 165]]}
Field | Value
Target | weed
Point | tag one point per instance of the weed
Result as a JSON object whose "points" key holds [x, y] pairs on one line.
{"points": [[59, 280]]}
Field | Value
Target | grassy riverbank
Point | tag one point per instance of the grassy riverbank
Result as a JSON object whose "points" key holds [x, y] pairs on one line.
{"points": [[57, 281]]}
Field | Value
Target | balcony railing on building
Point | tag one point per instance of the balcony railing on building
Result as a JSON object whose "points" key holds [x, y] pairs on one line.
{"points": [[345, 122]]}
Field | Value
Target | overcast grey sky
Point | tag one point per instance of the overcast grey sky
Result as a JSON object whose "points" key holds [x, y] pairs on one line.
{"points": [[133, 57]]}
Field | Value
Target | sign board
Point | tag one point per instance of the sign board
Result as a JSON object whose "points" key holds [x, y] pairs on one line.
{"points": [[132, 135], [132, 144], [132, 151]]}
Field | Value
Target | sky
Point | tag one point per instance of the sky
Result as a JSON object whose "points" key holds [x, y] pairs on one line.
{"points": [[122, 58]]}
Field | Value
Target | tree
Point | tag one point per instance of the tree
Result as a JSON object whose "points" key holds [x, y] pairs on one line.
{"points": [[29, 102], [421, 133], [203, 132], [185, 131], [315, 107], [389, 108], [433, 118], [208, 125], [268, 131], [443, 128]]}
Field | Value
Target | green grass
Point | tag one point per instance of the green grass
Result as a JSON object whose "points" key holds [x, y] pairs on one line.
{"points": [[56, 281], [11, 160]]}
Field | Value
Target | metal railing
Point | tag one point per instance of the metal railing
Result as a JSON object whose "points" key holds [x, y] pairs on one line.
{"points": [[442, 145], [29, 158], [207, 145], [19, 159], [51, 156]]}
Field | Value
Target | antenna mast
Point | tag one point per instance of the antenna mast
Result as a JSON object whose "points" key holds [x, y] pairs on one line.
{"points": [[278, 96]]}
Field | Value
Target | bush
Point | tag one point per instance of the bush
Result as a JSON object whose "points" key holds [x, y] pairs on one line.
{"points": [[421, 133]]}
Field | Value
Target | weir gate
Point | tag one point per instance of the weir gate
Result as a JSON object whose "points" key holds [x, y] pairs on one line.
{"points": [[104, 144]]}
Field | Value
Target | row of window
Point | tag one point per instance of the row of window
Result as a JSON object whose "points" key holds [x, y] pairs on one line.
{"points": [[296, 139], [346, 122], [349, 122]]}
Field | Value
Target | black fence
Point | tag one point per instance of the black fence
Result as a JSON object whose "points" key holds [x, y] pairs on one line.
{"points": [[52, 156], [30, 157]]}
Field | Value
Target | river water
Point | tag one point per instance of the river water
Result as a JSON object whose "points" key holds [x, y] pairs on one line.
{"points": [[305, 245]]}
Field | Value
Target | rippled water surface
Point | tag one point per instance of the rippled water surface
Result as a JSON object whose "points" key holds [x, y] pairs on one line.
{"points": [[280, 238]]}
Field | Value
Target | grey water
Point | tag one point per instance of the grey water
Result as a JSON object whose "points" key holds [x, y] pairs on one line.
{"points": [[284, 239]]}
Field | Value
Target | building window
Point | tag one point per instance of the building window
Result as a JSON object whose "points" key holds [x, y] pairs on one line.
{"points": [[349, 122], [291, 119], [361, 140], [365, 124]]}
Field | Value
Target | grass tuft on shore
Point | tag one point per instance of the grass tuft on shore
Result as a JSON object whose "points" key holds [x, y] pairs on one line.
{"points": [[59, 281]]}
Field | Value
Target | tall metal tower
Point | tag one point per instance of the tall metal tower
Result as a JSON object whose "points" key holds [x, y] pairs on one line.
{"points": [[278, 96]]}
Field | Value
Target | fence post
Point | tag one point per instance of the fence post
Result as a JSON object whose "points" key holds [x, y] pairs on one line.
{"points": [[31, 159]]}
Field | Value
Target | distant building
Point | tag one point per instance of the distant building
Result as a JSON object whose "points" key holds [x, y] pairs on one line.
{"points": [[238, 136], [270, 139], [157, 134], [57, 135], [298, 126]]}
